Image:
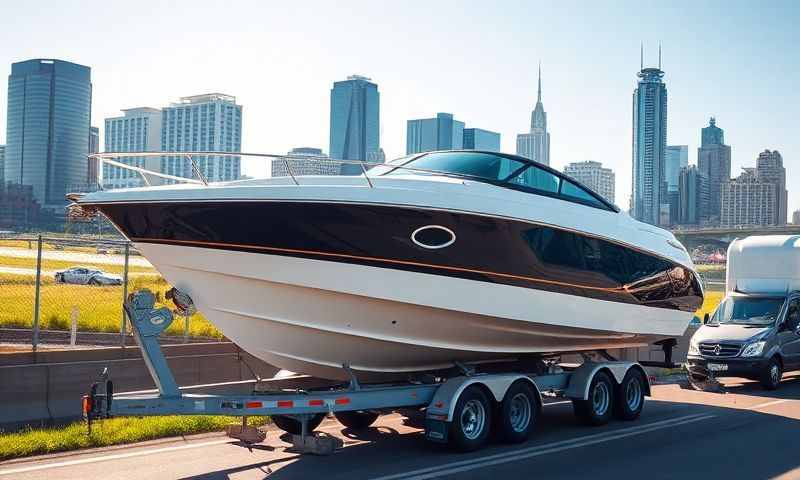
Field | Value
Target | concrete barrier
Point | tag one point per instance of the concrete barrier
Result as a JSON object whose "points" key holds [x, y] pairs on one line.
{"points": [[46, 387]]}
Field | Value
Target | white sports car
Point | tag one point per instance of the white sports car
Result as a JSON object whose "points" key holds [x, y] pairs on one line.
{"points": [[86, 276]]}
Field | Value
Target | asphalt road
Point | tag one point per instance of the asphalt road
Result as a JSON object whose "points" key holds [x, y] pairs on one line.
{"points": [[745, 433]]}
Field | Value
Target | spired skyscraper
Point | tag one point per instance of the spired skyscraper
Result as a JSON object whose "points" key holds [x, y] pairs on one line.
{"points": [[49, 114], [649, 199], [714, 160], [536, 144], [355, 117]]}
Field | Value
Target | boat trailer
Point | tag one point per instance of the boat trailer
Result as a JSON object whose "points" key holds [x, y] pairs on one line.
{"points": [[459, 410]]}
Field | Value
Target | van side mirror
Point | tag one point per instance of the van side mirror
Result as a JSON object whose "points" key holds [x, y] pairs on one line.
{"points": [[705, 319]]}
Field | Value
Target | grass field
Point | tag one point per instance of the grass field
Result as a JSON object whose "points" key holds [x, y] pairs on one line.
{"points": [[99, 308], [113, 431]]}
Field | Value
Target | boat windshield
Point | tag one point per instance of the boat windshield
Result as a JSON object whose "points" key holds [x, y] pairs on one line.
{"points": [[500, 170], [755, 311]]}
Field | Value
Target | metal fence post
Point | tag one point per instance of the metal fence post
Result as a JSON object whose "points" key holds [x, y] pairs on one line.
{"points": [[38, 295], [124, 293]]}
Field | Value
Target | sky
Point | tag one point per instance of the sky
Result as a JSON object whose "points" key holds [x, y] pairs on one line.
{"points": [[735, 60]]}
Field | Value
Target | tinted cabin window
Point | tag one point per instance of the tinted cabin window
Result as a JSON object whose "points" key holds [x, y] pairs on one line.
{"points": [[571, 190], [539, 179], [481, 165]]}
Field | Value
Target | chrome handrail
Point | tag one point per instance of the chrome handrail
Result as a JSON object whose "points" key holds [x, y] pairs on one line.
{"points": [[107, 158]]}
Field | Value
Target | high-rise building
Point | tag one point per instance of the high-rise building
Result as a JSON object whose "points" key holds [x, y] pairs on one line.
{"points": [[676, 157], [137, 130], [480, 139], [355, 117], [536, 143], [714, 160], [593, 175], [305, 161], [748, 200], [209, 122], [649, 146], [769, 168], [796, 217], [2, 164], [91, 164], [49, 114], [693, 196], [440, 133]]}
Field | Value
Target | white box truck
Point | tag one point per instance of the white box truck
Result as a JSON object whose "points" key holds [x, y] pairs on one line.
{"points": [[755, 331]]}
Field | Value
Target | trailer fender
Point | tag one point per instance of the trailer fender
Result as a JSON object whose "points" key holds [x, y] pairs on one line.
{"points": [[443, 404], [581, 378]]}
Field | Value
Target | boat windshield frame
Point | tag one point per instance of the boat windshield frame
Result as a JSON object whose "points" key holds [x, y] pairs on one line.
{"points": [[402, 164]]}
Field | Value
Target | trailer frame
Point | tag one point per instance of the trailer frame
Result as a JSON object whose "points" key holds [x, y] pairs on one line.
{"points": [[439, 396]]}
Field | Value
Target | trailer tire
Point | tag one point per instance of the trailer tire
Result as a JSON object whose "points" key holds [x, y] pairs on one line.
{"points": [[630, 395], [518, 412], [293, 426], [357, 420], [472, 420], [598, 408]]}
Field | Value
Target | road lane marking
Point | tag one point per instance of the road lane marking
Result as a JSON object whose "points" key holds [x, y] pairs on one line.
{"points": [[116, 456], [769, 404], [465, 465]]}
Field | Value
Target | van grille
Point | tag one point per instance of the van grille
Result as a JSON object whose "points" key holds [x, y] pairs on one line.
{"points": [[717, 350]]}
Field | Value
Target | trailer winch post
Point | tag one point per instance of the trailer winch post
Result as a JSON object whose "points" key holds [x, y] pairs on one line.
{"points": [[147, 324]]}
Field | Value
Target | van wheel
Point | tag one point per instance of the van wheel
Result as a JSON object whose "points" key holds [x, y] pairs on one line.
{"points": [[472, 420], [598, 408], [293, 426], [518, 412], [358, 420], [771, 375], [630, 395]]}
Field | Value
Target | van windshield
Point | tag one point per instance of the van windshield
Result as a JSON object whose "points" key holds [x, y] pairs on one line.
{"points": [[756, 311]]}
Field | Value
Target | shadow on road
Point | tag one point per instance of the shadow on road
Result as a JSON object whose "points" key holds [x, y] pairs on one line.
{"points": [[730, 442]]}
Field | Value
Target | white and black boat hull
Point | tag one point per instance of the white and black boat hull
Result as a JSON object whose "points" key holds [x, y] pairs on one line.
{"points": [[309, 286]]}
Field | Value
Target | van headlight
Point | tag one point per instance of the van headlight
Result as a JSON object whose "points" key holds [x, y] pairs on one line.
{"points": [[693, 347], [753, 349]]}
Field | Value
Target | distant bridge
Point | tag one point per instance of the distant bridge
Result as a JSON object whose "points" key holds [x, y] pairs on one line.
{"points": [[692, 237]]}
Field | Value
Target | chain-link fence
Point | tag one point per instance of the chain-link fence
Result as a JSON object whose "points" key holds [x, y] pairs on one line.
{"points": [[62, 290]]}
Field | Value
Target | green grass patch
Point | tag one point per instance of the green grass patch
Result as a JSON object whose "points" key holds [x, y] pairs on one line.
{"points": [[99, 308], [114, 431]]}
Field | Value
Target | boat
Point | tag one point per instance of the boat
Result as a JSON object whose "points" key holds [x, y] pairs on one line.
{"points": [[414, 265]]}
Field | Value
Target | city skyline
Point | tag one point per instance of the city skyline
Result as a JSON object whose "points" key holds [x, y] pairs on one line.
{"points": [[588, 82]]}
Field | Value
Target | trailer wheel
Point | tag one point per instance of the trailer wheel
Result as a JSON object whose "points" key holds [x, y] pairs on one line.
{"points": [[598, 408], [357, 420], [293, 426], [518, 412], [472, 420], [630, 395]]}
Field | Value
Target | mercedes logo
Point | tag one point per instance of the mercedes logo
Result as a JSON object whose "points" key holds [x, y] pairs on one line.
{"points": [[717, 349]]}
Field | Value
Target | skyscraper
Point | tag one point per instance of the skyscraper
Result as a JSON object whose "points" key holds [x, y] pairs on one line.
{"points": [[209, 122], [676, 157], [91, 164], [593, 175], [769, 168], [440, 133], [748, 200], [355, 117], [536, 144], [649, 200], [2, 164], [480, 139], [693, 188], [311, 162], [714, 160], [137, 130], [49, 114]]}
